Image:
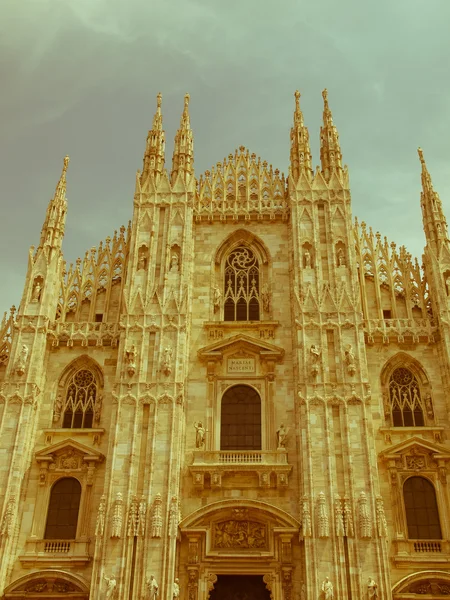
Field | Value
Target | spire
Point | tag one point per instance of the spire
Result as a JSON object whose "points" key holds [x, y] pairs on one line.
{"points": [[183, 152], [330, 150], [300, 150], [434, 223], [55, 218], [154, 151]]}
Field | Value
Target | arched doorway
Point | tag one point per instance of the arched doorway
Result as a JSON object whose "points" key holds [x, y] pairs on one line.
{"points": [[240, 587]]}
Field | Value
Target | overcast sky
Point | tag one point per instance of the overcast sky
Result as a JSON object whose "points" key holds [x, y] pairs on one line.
{"points": [[80, 77]]}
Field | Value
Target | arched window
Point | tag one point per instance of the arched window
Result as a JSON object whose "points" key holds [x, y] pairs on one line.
{"points": [[79, 405], [241, 285], [62, 516], [405, 399], [422, 514], [240, 419]]}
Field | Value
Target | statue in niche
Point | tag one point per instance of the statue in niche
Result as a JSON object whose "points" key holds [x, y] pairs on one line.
{"points": [[110, 586], [314, 352], [142, 260], [428, 405], [98, 409], [153, 588], [340, 258], [166, 363], [130, 356], [199, 435], [36, 293], [372, 588], [174, 264], [176, 589], [447, 283], [22, 360], [307, 259], [350, 359], [282, 433], [327, 589], [57, 408], [265, 297], [217, 297]]}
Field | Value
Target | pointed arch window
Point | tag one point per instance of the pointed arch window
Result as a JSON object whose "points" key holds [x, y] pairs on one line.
{"points": [[240, 427], [422, 515], [63, 508], [81, 393], [241, 297], [405, 399]]}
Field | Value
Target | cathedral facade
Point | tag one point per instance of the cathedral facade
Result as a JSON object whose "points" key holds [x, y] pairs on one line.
{"points": [[242, 395]]}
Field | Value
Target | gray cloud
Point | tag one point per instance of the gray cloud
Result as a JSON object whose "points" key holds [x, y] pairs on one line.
{"points": [[81, 78]]}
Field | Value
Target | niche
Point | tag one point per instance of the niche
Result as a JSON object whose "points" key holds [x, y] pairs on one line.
{"points": [[36, 292], [174, 260], [340, 254], [307, 256], [446, 276], [142, 258]]}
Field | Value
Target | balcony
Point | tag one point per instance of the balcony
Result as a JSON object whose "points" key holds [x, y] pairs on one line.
{"points": [[400, 330], [432, 553], [271, 466], [55, 552]]}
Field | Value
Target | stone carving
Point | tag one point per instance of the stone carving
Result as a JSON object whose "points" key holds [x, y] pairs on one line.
{"points": [[141, 517], [340, 258], [314, 353], [429, 406], [239, 534], [157, 517], [324, 529], [142, 258], [303, 591], [152, 587], [110, 586], [350, 359], [193, 584], [69, 461], [130, 358], [282, 433], [100, 523], [365, 522], [36, 293], [415, 461], [174, 264], [217, 298], [338, 516], [57, 408], [348, 518], [22, 360], [166, 362], [6, 529], [117, 518], [287, 585], [133, 517], [306, 518], [200, 432], [372, 589], [176, 589], [327, 589], [265, 297], [98, 409], [174, 516], [386, 406], [307, 261], [381, 518]]}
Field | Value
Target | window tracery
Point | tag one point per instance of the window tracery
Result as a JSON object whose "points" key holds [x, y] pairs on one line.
{"points": [[79, 405], [405, 399], [241, 286]]}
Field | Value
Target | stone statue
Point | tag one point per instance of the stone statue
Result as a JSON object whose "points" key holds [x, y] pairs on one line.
{"points": [[100, 523], [327, 589], [22, 360], [166, 362], [315, 354], [57, 409], [36, 293], [350, 359], [281, 436], [340, 258], [265, 297], [142, 260], [372, 588], [157, 517], [110, 586], [307, 258], [176, 589], [174, 264], [447, 283], [130, 356], [152, 588], [200, 435], [217, 297]]}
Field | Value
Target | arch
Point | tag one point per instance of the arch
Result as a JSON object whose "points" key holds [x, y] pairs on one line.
{"points": [[240, 419], [63, 509], [204, 513], [421, 509], [402, 359], [48, 581], [81, 362], [410, 581], [246, 238]]}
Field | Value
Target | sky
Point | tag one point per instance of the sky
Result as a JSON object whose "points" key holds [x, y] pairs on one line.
{"points": [[80, 77]]}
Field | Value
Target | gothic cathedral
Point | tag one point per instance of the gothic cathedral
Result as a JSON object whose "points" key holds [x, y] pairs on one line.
{"points": [[241, 396]]}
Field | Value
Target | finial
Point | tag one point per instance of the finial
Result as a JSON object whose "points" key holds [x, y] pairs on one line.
{"points": [[325, 97], [297, 99], [159, 100], [186, 100], [66, 163], [420, 153]]}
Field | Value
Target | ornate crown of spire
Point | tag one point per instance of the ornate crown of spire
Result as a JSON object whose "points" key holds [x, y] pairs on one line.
{"points": [[183, 152], [434, 222], [300, 150], [330, 150], [154, 151]]}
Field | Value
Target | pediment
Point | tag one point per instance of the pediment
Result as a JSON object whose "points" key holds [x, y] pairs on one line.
{"points": [[241, 344], [70, 450], [48, 583], [414, 445]]}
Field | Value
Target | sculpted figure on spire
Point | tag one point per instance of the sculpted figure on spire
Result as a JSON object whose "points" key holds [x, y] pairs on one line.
{"points": [[330, 150], [154, 151], [183, 152], [300, 150]]}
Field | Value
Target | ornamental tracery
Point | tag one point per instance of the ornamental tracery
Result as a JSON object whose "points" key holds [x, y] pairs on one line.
{"points": [[242, 286], [405, 399], [79, 407]]}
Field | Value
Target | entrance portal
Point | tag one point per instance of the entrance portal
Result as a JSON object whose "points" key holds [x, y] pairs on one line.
{"points": [[240, 587]]}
